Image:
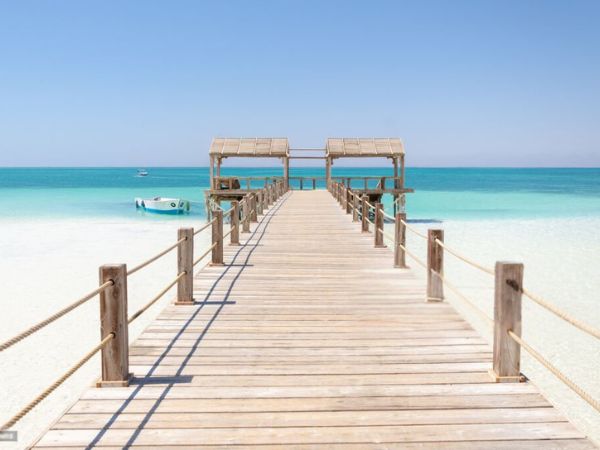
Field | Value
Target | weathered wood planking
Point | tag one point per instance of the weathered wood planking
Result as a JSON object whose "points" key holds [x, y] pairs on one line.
{"points": [[308, 337]]}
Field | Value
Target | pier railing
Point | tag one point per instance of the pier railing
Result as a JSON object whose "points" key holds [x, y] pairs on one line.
{"points": [[508, 287], [113, 292]]}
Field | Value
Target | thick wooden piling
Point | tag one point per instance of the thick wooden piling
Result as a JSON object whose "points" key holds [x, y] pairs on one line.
{"points": [[113, 319], [435, 266], [507, 317], [185, 264], [217, 238], [400, 241], [365, 214], [378, 232], [235, 223]]}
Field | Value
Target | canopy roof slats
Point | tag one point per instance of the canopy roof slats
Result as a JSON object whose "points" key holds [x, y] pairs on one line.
{"points": [[249, 147], [364, 147]]}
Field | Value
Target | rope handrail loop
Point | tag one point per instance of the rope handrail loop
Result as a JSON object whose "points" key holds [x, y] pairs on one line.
{"points": [[155, 257], [367, 219], [205, 254], [586, 328], [414, 230], [413, 256], [464, 258], [140, 311], [23, 412], [227, 234], [229, 211], [204, 227], [470, 302], [31, 330], [387, 215], [557, 373]]}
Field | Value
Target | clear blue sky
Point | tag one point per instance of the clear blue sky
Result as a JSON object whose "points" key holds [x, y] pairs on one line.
{"points": [[463, 83]]}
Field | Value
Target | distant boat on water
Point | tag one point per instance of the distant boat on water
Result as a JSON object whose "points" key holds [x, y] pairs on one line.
{"points": [[163, 205], [142, 173]]}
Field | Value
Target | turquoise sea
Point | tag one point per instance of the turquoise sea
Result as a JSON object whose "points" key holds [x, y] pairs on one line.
{"points": [[440, 194]]}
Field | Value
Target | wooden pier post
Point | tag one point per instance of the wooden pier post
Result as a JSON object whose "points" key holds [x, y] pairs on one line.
{"points": [[345, 198], [113, 319], [234, 221], [400, 241], [349, 197], [253, 208], [365, 214], [259, 203], [435, 263], [185, 263], [265, 206], [301, 183], [507, 317], [246, 215], [314, 181], [355, 208], [217, 238], [379, 225]]}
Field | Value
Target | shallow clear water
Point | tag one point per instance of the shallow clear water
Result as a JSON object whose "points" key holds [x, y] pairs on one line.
{"points": [[440, 194]]}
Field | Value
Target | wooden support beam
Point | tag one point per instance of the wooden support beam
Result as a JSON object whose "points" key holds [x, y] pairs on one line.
{"points": [[400, 241], [185, 263], [217, 238], [348, 201], [365, 214], [246, 215], [355, 208], [253, 208], [435, 265], [507, 317], [113, 319], [379, 225], [234, 221], [314, 183], [259, 202]]}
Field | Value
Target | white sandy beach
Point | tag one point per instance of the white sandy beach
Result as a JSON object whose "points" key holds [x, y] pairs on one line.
{"points": [[47, 264]]}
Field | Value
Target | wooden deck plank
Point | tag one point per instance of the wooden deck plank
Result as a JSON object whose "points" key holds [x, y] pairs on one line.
{"points": [[308, 337]]}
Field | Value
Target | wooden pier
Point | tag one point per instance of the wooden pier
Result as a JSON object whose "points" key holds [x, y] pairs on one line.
{"points": [[308, 336]]}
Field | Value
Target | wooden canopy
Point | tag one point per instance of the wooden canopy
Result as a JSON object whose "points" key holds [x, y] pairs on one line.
{"points": [[249, 147], [364, 147]]}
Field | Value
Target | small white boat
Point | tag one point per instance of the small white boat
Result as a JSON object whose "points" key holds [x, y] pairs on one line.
{"points": [[142, 173], [163, 205]]}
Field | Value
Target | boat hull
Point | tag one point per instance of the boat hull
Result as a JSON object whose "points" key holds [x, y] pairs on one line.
{"points": [[163, 205]]}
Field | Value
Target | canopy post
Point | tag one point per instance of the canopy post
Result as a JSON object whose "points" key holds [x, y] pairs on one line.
{"points": [[286, 172]]}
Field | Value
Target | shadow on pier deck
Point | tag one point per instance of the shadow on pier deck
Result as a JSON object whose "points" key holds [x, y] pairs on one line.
{"points": [[308, 336]]}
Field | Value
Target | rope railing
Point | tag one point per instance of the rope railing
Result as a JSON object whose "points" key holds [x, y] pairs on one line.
{"points": [[464, 258], [154, 258], [413, 256], [204, 227], [556, 372], [157, 297], [205, 254], [23, 412], [31, 330], [414, 230], [463, 297], [563, 315], [113, 303], [508, 292]]}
